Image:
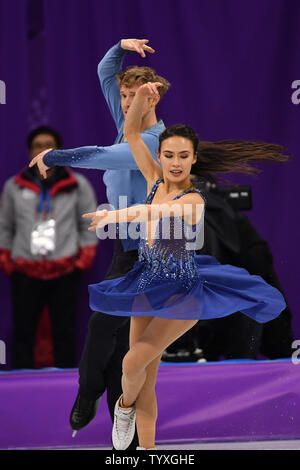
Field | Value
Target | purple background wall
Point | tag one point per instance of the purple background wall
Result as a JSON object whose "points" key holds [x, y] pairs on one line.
{"points": [[231, 65]]}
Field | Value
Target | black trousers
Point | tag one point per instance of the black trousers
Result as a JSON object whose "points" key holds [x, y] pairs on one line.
{"points": [[107, 343], [29, 296]]}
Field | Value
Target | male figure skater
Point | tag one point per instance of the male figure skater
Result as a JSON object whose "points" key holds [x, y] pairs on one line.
{"points": [[108, 336]]}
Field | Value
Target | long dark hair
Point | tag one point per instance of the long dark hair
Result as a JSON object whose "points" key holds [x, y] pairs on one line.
{"points": [[225, 156]]}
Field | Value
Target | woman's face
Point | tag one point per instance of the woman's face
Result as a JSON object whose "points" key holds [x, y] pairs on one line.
{"points": [[176, 158]]}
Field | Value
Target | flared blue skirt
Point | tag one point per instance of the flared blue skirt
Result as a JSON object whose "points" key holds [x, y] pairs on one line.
{"points": [[218, 291]]}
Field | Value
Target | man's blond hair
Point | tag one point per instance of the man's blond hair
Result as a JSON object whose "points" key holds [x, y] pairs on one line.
{"points": [[134, 75]]}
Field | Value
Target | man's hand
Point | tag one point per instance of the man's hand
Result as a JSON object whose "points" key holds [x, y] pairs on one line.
{"points": [[138, 45], [38, 160]]}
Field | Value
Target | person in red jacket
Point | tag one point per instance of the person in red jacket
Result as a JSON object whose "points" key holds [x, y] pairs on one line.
{"points": [[44, 246]]}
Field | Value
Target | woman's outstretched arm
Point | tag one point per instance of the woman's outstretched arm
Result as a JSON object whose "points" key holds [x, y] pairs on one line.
{"points": [[145, 98], [190, 207]]}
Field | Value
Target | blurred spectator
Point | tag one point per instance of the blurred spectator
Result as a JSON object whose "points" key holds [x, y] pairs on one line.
{"points": [[44, 246]]}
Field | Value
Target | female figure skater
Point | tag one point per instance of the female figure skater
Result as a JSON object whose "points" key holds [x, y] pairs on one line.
{"points": [[170, 288]]}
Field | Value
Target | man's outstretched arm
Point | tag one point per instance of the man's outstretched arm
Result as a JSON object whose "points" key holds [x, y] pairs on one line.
{"points": [[113, 157]]}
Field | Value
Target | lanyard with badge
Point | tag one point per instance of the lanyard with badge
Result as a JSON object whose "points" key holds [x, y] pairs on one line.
{"points": [[43, 235]]}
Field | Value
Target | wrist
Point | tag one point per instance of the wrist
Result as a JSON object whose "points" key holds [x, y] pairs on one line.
{"points": [[110, 217], [49, 158], [120, 44]]}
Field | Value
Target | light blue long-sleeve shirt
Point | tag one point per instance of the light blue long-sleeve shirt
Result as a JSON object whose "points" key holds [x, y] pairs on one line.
{"points": [[122, 176]]}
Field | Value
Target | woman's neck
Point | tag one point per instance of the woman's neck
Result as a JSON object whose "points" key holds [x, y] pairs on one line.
{"points": [[171, 187]]}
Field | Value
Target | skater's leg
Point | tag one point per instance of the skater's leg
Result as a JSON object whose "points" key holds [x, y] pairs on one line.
{"points": [[146, 353], [102, 339], [157, 336], [146, 406], [98, 350], [113, 372], [146, 402]]}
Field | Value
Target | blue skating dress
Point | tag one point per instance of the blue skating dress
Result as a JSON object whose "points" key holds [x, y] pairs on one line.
{"points": [[170, 280]]}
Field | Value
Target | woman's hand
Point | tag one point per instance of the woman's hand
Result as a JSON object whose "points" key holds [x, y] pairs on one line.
{"points": [[146, 97], [98, 219], [38, 160], [149, 90], [138, 45]]}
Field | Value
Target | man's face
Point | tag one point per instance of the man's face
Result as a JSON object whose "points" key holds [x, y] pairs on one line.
{"points": [[127, 95], [41, 142]]}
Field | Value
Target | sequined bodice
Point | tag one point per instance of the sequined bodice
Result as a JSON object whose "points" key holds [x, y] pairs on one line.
{"points": [[171, 255]]}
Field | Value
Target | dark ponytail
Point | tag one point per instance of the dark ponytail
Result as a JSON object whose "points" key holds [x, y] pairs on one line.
{"points": [[225, 156]]}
